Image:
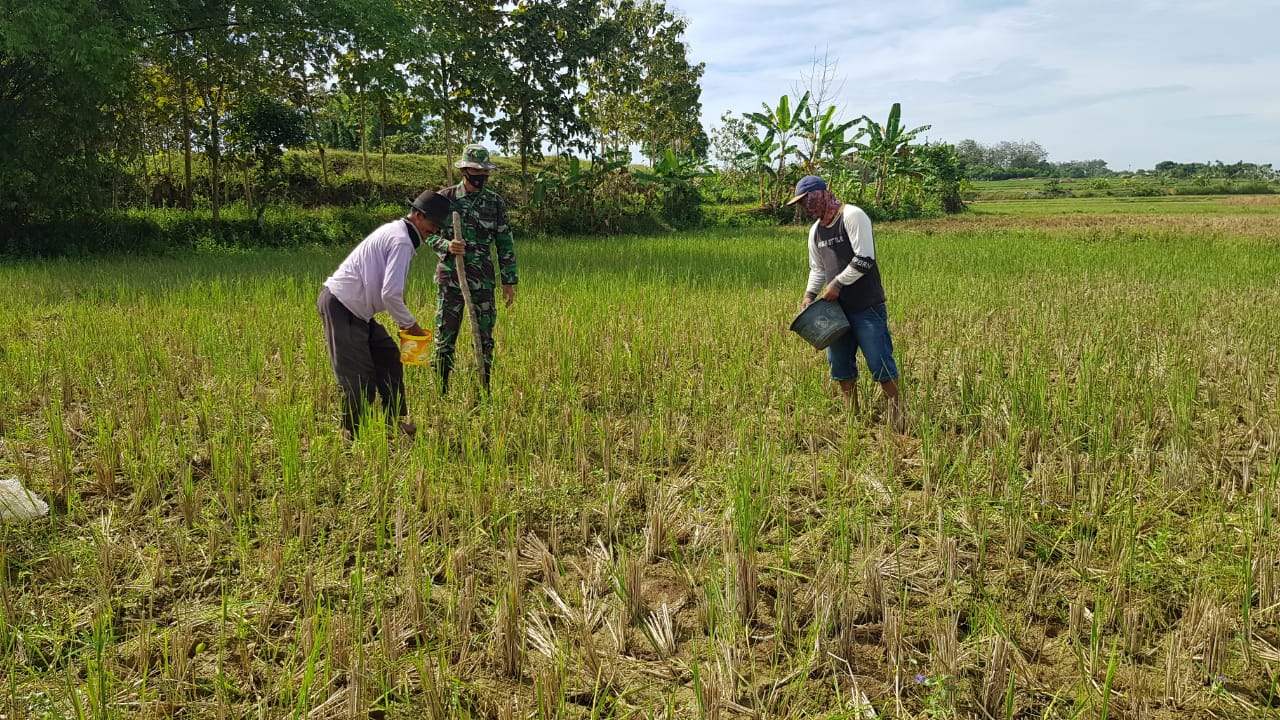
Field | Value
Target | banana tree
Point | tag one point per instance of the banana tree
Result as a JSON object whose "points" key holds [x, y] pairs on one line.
{"points": [[911, 172], [828, 139], [885, 143], [572, 184], [784, 124], [668, 174], [759, 153]]}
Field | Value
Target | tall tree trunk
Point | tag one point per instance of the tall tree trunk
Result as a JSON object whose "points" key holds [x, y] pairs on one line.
{"points": [[324, 164], [319, 135], [147, 185], [186, 144], [885, 177], [115, 181], [215, 157], [382, 138], [447, 139], [446, 126], [364, 141], [524, 153]]}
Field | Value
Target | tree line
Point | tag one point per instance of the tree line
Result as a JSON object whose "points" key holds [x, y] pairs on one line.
{"points": [[94, 92], [1012, 159], [1217, 170], [198, 104]]}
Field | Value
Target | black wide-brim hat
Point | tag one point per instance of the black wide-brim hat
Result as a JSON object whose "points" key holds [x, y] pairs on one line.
{"points": [[433, 205]]}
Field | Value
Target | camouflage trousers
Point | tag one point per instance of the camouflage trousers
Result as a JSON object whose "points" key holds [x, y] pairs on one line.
{"points": [[450, 308]]}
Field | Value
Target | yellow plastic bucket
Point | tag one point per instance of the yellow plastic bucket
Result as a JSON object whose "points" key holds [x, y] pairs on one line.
{"points": [[415, 349]]}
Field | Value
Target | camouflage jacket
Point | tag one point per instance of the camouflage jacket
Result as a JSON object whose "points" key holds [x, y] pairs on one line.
{"points": [[485, 224]]}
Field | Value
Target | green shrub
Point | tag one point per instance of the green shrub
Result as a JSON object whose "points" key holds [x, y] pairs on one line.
{"points": [[1250, 187], [162, 230]]}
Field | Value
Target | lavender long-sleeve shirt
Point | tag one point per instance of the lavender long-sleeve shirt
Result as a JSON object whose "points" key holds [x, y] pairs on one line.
{"points": [[372, 277]]}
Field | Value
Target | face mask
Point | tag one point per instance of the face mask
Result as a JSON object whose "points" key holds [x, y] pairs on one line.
{"points": [[477, 181], [819, 203]]}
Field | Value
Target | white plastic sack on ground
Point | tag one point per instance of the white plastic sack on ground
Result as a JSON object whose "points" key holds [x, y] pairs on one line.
{"points": [[18, 503]]}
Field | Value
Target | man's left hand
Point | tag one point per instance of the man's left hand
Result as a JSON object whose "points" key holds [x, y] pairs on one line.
{"points": [[832, 292], [509, 294]]}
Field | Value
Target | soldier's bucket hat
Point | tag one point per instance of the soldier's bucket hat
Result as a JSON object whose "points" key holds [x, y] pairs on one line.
{"points": [[475, 156]]}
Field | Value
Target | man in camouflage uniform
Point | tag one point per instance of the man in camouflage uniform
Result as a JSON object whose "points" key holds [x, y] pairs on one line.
{"points": [[485, 224]]}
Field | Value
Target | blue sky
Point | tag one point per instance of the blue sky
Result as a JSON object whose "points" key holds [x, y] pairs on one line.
{"points": [[1131, 82]]}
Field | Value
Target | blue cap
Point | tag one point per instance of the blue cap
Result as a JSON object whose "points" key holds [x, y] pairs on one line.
{"points": [[807, 184]]}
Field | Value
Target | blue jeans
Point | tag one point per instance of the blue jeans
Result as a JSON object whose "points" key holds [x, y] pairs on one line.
{"points": [[868, 331]]}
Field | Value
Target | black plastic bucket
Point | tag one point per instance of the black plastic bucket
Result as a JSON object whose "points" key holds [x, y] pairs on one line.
{"points": [[821, 324]]}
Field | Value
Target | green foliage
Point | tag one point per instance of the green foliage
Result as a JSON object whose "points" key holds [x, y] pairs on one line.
{"points": [[670, 173], [452, 54], [888, 149], [1009, 159], [729, 143], [606, 195], [1119, 188], [781, 125], [226, 87], [1248, 187], [758, 156], [538, 93], [945, 179], [746, 214], [305, 179], [642, 90], [1216, 170], [258, 132], [827, 139], [909, 180], [65, 71], [576, 197], [160, 231], [1053, 188]]}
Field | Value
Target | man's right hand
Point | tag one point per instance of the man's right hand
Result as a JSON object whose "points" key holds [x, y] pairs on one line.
{"points": [[804, 303], [457, 246]]}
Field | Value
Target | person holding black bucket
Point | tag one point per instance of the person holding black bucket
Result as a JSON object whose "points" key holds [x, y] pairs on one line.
{"points": [[364, 357], [842, 268]]}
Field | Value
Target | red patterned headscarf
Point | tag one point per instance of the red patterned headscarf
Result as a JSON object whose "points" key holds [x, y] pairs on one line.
{"points": [[820, 204]]}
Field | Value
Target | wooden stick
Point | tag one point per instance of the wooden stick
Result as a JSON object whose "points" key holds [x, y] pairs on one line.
{"points": [[459, 265]]}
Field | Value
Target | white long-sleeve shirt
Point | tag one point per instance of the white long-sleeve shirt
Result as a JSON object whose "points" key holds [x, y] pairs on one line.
{"points": [[372, 277]]}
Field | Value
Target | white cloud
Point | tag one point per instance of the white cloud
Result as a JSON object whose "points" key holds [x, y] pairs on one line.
{"points": [[1131, 83]]}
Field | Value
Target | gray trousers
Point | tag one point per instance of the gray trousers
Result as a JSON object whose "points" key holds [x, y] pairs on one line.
{"points": [[365, 359]]}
